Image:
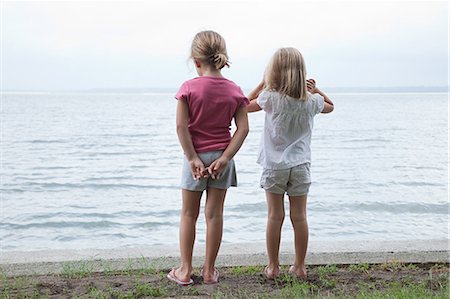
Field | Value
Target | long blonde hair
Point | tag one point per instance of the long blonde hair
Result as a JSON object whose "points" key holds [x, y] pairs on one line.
{"points": [[209, 47], [286, 73]]}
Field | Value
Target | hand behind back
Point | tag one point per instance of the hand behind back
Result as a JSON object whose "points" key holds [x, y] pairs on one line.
{"points": [[217, 167], [198, 169]]}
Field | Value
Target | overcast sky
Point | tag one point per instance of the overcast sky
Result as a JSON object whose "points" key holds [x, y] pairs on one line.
{"points": [[82, 45]]}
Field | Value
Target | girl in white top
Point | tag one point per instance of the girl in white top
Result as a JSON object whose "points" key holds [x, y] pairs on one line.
{"points": [[290, 102]]}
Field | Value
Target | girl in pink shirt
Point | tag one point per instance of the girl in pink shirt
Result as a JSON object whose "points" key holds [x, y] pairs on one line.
{"points": [[206, 106]]}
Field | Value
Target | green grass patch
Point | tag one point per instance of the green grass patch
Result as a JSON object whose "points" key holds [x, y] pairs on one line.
{"points": [[399, 290], [246, 270], [77, 269], [293, 288], [145, 290], [323, 271], [364, 267]]}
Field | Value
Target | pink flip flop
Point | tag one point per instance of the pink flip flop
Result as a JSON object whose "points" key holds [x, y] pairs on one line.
{"points": [[171, 276], [215, 278]]}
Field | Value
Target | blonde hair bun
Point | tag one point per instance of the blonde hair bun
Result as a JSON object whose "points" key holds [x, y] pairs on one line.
{"points": [[220, 60], [209, 47]]}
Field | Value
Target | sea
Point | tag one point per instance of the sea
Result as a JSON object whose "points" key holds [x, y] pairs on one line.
{"points": [[102, 170]]}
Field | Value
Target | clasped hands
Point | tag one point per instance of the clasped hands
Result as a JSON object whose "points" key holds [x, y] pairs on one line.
{"points": [[199, 171]]}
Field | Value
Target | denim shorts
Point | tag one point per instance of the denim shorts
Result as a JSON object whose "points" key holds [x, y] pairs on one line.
{"points": [[294, 181], [225, 181]]}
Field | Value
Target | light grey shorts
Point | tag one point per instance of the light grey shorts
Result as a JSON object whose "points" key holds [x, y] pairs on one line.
{"points": [[294, 181], [225, 181]]}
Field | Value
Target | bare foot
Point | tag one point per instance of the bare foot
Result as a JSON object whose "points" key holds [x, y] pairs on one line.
{"points": [[210, 277], [271, 272], [183, 274], [299, 271]]}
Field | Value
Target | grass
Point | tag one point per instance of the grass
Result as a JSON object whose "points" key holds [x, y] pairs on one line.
{"points": [[144, 289], [364, 267], [399, 290], [387, 280], [77, 269], [246, 270]]}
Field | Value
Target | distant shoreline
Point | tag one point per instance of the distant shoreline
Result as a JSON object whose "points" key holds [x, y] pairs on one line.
{"points": [[156, 91]]}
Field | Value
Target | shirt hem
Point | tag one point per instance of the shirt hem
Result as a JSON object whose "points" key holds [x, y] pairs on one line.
{"points": [[210, 149]]}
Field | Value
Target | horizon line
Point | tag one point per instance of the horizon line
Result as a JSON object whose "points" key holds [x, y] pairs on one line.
{"points": [[413, 88]]}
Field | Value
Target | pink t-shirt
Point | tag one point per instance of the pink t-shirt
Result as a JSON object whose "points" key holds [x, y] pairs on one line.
{"points": [[212, 103]]}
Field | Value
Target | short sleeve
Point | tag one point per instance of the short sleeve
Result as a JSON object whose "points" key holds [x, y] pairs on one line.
{"points": [[262, 100], [183, 92], [243, 101], [318, 104]]}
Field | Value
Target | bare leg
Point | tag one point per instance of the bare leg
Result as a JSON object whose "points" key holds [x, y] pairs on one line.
{"points": [[275, 220], [189, 215], [300, 224], [214, 226]]}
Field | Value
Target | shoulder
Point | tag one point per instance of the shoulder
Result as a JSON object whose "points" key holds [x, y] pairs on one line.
{"points": [[315, 98], [184, 90], [317, 103], [269, 94], [232, 85], [188, 83], [266, 97]]}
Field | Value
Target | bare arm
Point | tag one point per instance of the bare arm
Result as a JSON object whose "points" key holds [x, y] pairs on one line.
{"points": [[253, 106], [241, 120], [252, 96], [255, 92], [197, 168], [329, 106]]}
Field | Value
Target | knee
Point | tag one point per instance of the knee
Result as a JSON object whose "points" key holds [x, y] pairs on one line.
{"points": [[298, 217], [213, 215], [189, 214], [277, 217]]}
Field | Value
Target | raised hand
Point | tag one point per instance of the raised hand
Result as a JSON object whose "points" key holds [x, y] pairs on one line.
{"points": [[311, 85]]}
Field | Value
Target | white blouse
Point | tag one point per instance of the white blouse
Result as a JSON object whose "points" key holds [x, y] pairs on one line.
{"points": [[286, 139]]}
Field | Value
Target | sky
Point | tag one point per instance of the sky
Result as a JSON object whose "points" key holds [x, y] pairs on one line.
{"points": [[78, 45]]}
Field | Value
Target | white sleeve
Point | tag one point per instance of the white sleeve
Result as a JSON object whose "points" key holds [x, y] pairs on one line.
{"points": [[262, 100], [318, 103]]}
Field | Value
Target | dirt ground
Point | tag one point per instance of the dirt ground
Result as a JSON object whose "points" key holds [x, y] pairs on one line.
{"points": [[236, 282]]}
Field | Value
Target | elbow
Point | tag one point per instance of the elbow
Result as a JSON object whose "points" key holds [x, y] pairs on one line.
{"points": [[181, 128], [244, 131], [328, 108]]}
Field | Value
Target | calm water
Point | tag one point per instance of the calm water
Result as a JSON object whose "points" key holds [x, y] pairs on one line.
{"points": [[102, 171]]}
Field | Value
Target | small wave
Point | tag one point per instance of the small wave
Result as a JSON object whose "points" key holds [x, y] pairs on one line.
{"points": [[105, 178], [61, 225], [364, 140], [394, 208], [67, 186], [46, 141], [73, 214], [418, 167], [249, 207], [51, 168], [152, 224], [416, 184]]}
